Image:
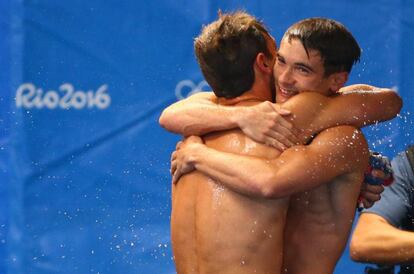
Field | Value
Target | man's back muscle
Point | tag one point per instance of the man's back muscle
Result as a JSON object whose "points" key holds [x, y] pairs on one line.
{"points": [[319, 221], [216, 230]]}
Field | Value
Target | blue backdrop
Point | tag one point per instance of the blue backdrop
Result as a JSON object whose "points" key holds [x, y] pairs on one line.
{"points": [[84, 181]]}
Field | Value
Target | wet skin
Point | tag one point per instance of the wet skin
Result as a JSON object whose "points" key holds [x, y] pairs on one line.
{"points": [[216, 230]]}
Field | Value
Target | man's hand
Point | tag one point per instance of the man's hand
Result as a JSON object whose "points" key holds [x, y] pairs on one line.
{"points": [[181, 160], [266, 123], [370, 194], [378, 174]]}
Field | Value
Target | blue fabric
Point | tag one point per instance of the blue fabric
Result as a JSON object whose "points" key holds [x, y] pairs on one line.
{"points": [[397, 201], [84, 180]]}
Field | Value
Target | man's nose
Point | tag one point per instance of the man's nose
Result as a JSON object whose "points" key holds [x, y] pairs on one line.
{"points": [[286, 76]]}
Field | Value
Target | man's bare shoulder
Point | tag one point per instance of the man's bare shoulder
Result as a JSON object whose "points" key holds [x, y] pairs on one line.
{"points": [[345, 144], [235, 141], [206, 95], [303, 99]]}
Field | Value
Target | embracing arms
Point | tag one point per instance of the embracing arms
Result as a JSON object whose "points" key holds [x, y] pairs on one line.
{"points": [[359, 105], [312, 112], [333, 152], [200, 114], [357, 109]]}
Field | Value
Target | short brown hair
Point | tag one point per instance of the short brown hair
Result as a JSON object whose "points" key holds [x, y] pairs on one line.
{"points": [[338, 48], [226, 50]]}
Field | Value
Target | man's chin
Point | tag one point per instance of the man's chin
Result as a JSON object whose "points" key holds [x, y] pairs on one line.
{"points": [[281, 98]]}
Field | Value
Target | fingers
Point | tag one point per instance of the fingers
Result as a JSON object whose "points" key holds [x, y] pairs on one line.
{"points": [[274, 143], [296, 132], [176, 176], [179, 170], [179, 144], [279, 138], [194, 139], [370, 194], [279, 120], [283, 112], [173, 162], [284, 135], [366, 203], [280, 110], [371, 197], [173, 167], [277, 116], [375, 189], [286, 128], [175, 171], [173, 156]]}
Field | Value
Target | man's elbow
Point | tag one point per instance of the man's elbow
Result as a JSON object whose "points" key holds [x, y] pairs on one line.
{"points": [[162, 120], [168, 122], [271, 187], [391, 104], [269, 192], [360, 249], [395, 104]]}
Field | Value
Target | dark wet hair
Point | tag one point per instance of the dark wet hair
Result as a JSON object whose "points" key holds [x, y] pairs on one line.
{"points": [[338, 48], [226, 50]]}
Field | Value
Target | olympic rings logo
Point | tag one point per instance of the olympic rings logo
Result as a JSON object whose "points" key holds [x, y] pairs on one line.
{"points": [[187, 87]]}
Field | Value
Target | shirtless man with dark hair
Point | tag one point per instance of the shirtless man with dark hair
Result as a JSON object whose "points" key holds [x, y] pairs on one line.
{"points": [[230, 208]]}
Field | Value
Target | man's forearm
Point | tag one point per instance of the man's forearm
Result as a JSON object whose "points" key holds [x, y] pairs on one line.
{"points": [[297, 169], [376, 241], [246, 175], [368, 104], [198, 116], [314, 112]]}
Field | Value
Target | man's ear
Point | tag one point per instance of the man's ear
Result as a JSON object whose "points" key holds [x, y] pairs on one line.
{"points": [[338, 80], [263, 63]]}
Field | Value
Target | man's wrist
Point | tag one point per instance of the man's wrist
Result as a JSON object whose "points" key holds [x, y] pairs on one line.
{"points": [[239, 116], [195, 153]]}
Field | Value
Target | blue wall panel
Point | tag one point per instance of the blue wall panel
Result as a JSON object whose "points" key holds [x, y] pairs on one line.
{"points": [[83, 163]]}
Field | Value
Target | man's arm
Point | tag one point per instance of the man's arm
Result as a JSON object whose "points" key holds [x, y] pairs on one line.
{"points": [[376, 104], [369, 195], [377, 237], [377, 241], [357, 109], [332, 153], [200, 114], [308, 108]]}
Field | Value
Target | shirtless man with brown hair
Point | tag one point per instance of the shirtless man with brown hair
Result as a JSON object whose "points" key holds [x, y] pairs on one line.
{"points": [[229, 213]]}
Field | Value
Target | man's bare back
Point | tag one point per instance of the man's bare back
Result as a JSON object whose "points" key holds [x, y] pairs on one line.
{"points": [[217, 230], [222, 221], [318, 224]]}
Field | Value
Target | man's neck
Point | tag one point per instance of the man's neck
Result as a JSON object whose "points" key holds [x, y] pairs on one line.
{"points": [[254, 95], [245, 98]]}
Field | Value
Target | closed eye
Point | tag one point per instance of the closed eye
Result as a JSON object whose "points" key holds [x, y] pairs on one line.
{"points": [[303, 70], [280, 60]]}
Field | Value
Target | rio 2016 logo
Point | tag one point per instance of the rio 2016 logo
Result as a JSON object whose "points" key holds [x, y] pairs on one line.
{"points": [[28, 96], [186, 88]]}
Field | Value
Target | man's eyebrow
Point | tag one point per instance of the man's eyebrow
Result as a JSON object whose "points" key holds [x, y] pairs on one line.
{"points": [[299, 64], [304, 65]]}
